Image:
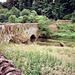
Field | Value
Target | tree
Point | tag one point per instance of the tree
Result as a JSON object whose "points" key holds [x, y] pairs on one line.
{"points": [[73, 17], [12, 18], [25, 12], [15, 11], [3, 11], [56, 9], [2, 17], [20, 4]]}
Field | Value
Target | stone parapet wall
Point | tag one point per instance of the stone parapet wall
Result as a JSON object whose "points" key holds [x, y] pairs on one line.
{"points": [[22, 30]]}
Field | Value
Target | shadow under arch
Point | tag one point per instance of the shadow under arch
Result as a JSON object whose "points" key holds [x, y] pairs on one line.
{"points": [[33, 38]]}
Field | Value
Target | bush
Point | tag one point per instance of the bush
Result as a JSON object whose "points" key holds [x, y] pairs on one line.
{"points": [[25, 18], [15, 11], [8, 14], [1, 7], [3, 11], [59, 22], [44, 28], [19, 19], [73, 17], [66, 27], [67, 17], [2, 17], [31, 18], [34, 12], [66, 30], [41, 18], [25, 12], [12, 18]]}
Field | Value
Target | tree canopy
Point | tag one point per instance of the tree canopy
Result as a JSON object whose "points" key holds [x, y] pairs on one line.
{"points": [[56, 9]]}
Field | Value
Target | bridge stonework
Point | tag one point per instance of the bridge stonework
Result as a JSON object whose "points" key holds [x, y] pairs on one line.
{"points": [[23, 32]]}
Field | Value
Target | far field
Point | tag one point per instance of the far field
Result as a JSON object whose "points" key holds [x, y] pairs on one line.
{"points": [[37, 59]]}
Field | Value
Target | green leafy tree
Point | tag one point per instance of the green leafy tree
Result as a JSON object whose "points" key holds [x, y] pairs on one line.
{"points": [[44, 28], [3, 11], [15, 11], [67, 17], [25, 18], [25, 12], [31, 18], [55, 9], [20, 4], [12, 18], [8, 14], [2, 17], [19, 19], [34, 12], [73, 17]]}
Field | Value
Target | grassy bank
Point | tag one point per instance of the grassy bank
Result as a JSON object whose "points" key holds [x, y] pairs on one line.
{"points": [[65, 30], [57, 41], [41, 60]]}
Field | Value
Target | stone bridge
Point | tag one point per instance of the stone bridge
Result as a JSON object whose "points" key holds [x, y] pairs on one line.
{"points": [[19, 32]]}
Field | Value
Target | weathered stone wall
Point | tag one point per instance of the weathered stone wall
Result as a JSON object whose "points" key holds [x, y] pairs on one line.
{"points": [[23, 31]]}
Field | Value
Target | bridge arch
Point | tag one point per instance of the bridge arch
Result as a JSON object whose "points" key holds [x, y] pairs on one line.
{"points": [[32, 38]]}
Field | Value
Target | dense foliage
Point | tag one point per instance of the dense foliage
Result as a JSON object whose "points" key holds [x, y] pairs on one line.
{"points": [[37, 11], [26, 16], [2, 17], [12, 18], [56, 9], [66, 30], [73, 17]]}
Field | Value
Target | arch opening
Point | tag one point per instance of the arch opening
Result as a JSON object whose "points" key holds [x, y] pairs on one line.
{"points": [[33, 38]]}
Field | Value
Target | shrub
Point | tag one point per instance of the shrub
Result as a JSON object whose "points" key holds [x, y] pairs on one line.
{"points": [[73, 17], [25, 12], [41, 18], [31, 18], [15, 11], [34, 12], [59, 22], [66, 27], [25, 18], [2, 17], [3, 11], [1, 7], [67, 17], [44, 28], [66, 30], [12, 18], [19, 19], [8, 14]]}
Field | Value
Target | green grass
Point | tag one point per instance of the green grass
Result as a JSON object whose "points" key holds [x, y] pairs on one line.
{"points": [[66, 30], [40, 60], [64, 35], [57, 41]]}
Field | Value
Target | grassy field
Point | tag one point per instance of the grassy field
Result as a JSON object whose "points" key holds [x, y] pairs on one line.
{"points": [[57, 41], [41, 60]]}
